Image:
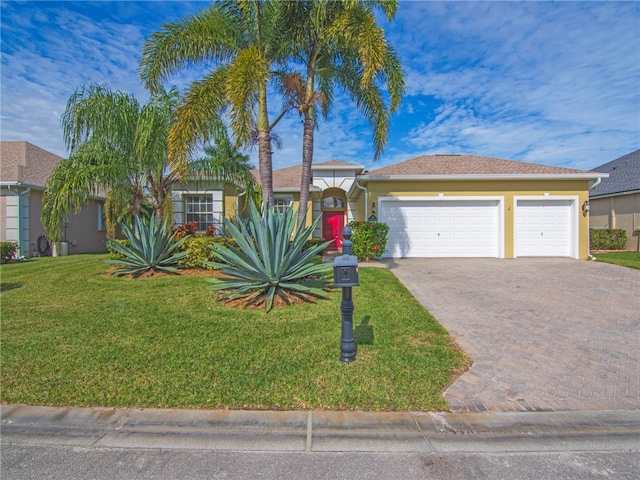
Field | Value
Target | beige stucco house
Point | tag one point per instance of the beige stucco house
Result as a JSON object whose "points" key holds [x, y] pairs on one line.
{"points": [[24, 169], [435, 205], [615, 202]]}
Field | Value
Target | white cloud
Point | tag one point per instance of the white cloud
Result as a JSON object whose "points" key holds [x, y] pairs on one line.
{"points": [[533, 81], [550, 82]]}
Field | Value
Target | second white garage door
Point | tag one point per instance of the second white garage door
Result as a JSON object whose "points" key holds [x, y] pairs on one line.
{"points": [[543, 228], [441, 228]]}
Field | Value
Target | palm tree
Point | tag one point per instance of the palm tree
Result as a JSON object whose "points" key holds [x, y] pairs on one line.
{"points": [[242, 40], [120, 147], [339, 44], [116, 145]]}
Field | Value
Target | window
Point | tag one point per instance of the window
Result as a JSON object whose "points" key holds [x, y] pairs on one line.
{"points": [[282, 203], [102, 218], [333, 202], [199, 209]]}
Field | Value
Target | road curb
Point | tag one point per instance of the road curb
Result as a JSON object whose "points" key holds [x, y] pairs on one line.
{"points": [[318, 431]]}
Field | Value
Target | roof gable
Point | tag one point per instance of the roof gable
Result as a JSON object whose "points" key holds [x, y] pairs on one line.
{"points": [[467, 165], [338, 165], [26, 163], [624, 175]]}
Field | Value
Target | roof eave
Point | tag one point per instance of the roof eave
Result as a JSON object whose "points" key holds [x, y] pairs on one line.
{"points": [[615, 194], [483, 177], [294, 189], [338, 167], [40, 188], [22, 185]]}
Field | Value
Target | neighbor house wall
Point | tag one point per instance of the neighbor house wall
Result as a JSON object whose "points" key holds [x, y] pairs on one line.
{"points": [[618, 211], [84, 232], [509, 189]]}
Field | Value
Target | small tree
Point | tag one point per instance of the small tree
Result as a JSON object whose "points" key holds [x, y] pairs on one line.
{"points": [[369, 239]]}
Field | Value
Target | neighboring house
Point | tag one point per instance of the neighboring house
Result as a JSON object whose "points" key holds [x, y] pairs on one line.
{"points": [[24, 169], [435, 205], [615, 202]]}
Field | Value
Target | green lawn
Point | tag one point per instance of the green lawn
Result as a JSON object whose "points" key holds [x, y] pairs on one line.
{"points": [[73, 335], [626, 259]]}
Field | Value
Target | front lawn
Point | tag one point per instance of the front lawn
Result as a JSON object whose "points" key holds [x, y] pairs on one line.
{"points": [[73, 335], [626, 259]]}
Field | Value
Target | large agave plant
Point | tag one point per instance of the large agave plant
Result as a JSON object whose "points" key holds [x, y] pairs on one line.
{"points": [[151, 247], [269, 260]]}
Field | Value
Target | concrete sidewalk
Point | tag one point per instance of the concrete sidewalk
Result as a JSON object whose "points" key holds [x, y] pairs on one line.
{"points": [[320, 431]]}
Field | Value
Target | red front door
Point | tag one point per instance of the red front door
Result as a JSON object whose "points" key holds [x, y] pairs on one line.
{"points": [[332, 225]]}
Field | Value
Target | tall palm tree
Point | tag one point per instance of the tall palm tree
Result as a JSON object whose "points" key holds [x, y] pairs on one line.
{"points": [[242, 41], [340, 44]]}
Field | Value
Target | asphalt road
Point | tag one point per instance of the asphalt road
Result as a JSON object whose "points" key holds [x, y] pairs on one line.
{"points": [[70, 463]]}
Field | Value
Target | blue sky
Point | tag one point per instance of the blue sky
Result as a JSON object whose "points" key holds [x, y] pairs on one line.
{"points": [[556, 83]]}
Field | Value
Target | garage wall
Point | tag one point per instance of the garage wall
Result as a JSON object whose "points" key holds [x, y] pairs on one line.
{"points": [[508, 189]]}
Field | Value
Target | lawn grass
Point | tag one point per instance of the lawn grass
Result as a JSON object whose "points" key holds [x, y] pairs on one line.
{"points": [[626, 259], [73, 335]]}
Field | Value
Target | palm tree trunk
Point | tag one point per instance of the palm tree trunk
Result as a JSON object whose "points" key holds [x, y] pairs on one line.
{"points": [[265, 165], [307, 139], [264, 148], [307, 160]]}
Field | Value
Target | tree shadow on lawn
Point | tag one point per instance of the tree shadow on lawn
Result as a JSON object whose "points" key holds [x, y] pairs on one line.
{"points": [[6, 286]]}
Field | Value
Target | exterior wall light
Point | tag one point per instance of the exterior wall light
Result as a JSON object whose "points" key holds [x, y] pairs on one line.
{"points": [[372, 217], [585, 208]]}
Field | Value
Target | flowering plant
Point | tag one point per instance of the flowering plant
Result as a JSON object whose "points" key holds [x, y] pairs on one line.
{"points": [[369, 239]]}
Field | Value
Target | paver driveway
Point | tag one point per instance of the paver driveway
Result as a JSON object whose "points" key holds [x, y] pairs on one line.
{"points": [[543, 334]]}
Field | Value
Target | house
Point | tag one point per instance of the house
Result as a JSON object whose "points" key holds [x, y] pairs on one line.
{"points": [[24, 169], [474, 206], [615, 202], [435, 205]]}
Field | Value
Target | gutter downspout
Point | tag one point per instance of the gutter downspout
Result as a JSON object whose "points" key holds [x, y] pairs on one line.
{"points": [[366, 198], [591, 187]]}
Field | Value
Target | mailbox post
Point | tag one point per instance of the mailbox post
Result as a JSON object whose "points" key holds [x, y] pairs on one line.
{"points": [[345, 275]]}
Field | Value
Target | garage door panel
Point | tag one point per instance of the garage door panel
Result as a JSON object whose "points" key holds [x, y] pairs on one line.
{"points": [[441, 228], [543, 228]]}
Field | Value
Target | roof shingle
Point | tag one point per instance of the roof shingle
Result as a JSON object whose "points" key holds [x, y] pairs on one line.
{"points": [[468, 165], [624, 175], [26, 163]]}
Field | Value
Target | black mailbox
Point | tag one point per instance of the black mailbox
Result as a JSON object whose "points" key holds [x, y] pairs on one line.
{"points": [[345, 271]]}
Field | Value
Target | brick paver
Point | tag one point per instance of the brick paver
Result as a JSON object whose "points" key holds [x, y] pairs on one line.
{"points": [[543, 334]]}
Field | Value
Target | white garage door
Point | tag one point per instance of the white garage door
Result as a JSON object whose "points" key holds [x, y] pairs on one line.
{"points": [[543, 228], [420, 228]]}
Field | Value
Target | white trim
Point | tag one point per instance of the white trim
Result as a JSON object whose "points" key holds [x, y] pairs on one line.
{"points": [[518, 176], [461, 198], [351, 166], [574, 226]]}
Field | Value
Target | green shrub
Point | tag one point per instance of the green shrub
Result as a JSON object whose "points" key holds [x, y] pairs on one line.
{"points": [[314, 242], [200, 250], [269, 260], [369, 239], [114, 254], [7, 251], [607, 239], [152, 246]]}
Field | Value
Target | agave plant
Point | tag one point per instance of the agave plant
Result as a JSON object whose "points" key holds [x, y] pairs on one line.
{"points": [[269, 260], [151, 247]]}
